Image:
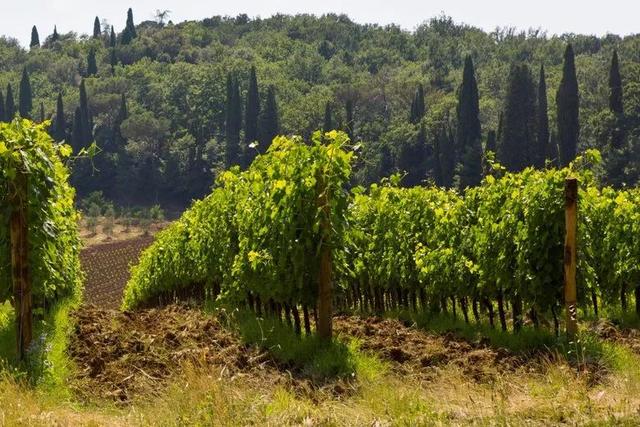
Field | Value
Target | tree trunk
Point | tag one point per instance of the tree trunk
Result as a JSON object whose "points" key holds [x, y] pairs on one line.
{"points": [[637, 294], [296, 319], [501, 313], [464, 305], [489, 306], [476, 311], [307, 322], [516, 309], [594, 302]]}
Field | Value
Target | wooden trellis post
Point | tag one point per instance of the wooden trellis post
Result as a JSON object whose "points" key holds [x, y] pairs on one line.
{"points": [[19, 234], [570, 249]]}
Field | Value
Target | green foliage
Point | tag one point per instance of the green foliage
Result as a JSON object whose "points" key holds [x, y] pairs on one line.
{"points": [[53, 235], [568, 106]]}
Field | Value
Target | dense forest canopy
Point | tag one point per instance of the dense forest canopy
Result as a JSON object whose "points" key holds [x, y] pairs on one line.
{"points": [[170, 105]]}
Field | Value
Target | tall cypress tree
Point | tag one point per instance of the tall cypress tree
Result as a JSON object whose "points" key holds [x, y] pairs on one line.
{"points": [[615, 101], [85, 116], [269, 120], [97, 30], [112, 38], [3, 117], [519, 145], [77, 132], [568, 110], [543, 120], [10, 106], [469, 137], [232, 122], [252, 112], [412, 158], [417, 106], [26, 97], [349, 117], [35, 38], [129, 32], [59, 128], [447, 156], [92, 66], [489, 146], [55, 36], [328, 121]]}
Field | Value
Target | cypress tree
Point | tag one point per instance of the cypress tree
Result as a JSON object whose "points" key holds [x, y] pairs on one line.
{"points": [[97, 30], [129, 32], [568, 110], [349, 117], [543, 120], [252, 111], [10, 106], [232, 123], [3, 117], [59, 127], [269, 122], [469, 143], [412, 158], [85, 116], [35, 38], [118, 140], [92, 66], [112, 38], [489, 146], [417, 106], [55, 36], [615, 101], [447, 156], [26, 97], [328, 122], [518, 148], [77, 132]]}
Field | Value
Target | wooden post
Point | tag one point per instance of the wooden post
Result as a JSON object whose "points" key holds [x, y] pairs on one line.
{"points": [[570, 249], [324, 326], [19, 234]]}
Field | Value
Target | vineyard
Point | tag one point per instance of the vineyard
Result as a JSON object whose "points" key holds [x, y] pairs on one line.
{"points": [[495, 252]]}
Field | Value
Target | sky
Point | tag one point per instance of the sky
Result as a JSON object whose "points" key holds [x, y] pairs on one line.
{"points": [[555, 16]]}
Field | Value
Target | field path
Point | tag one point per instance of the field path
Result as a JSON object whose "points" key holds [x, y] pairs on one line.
{"points": [[107, 266]]}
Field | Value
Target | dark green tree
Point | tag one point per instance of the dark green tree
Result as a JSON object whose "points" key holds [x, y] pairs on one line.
{"points": [[349, 119], [97, 30], [615, 102], [42, 113], [328, 122], [543, 120], [412, 158], [77, 132], [489, 147], [568, 110], [469, 137], [26, 97], [3, 117], [92, 66], [35, 38], [233, 122], [10, 105], [112, 38], [417, 106], [252, 109], [85, 116], [55, 36], [519, 145], [59, 127], [269, 120], [446, 154], [129, 32]]}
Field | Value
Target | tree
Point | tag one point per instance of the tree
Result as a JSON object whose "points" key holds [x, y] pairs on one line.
{"points": [[42, 113], [328, 122], [543, 120], [616, 102], [59, 128], [252, 116], [92, 66], [10, 106], [446, 155], [469, 143], [519, 145], [3, 117], [269, 121], [161, 16], [85, 116], [112, 38], [489, 147], [417, 106], [35, 38], [568, 110], [97, 29], [349, 117], [129, 32], [232, 122], [411, 157], [77, 132], [26, 97], [55, 36]]}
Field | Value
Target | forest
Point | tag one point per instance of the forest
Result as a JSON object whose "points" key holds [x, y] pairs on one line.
{"points": [[171, 105]]}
